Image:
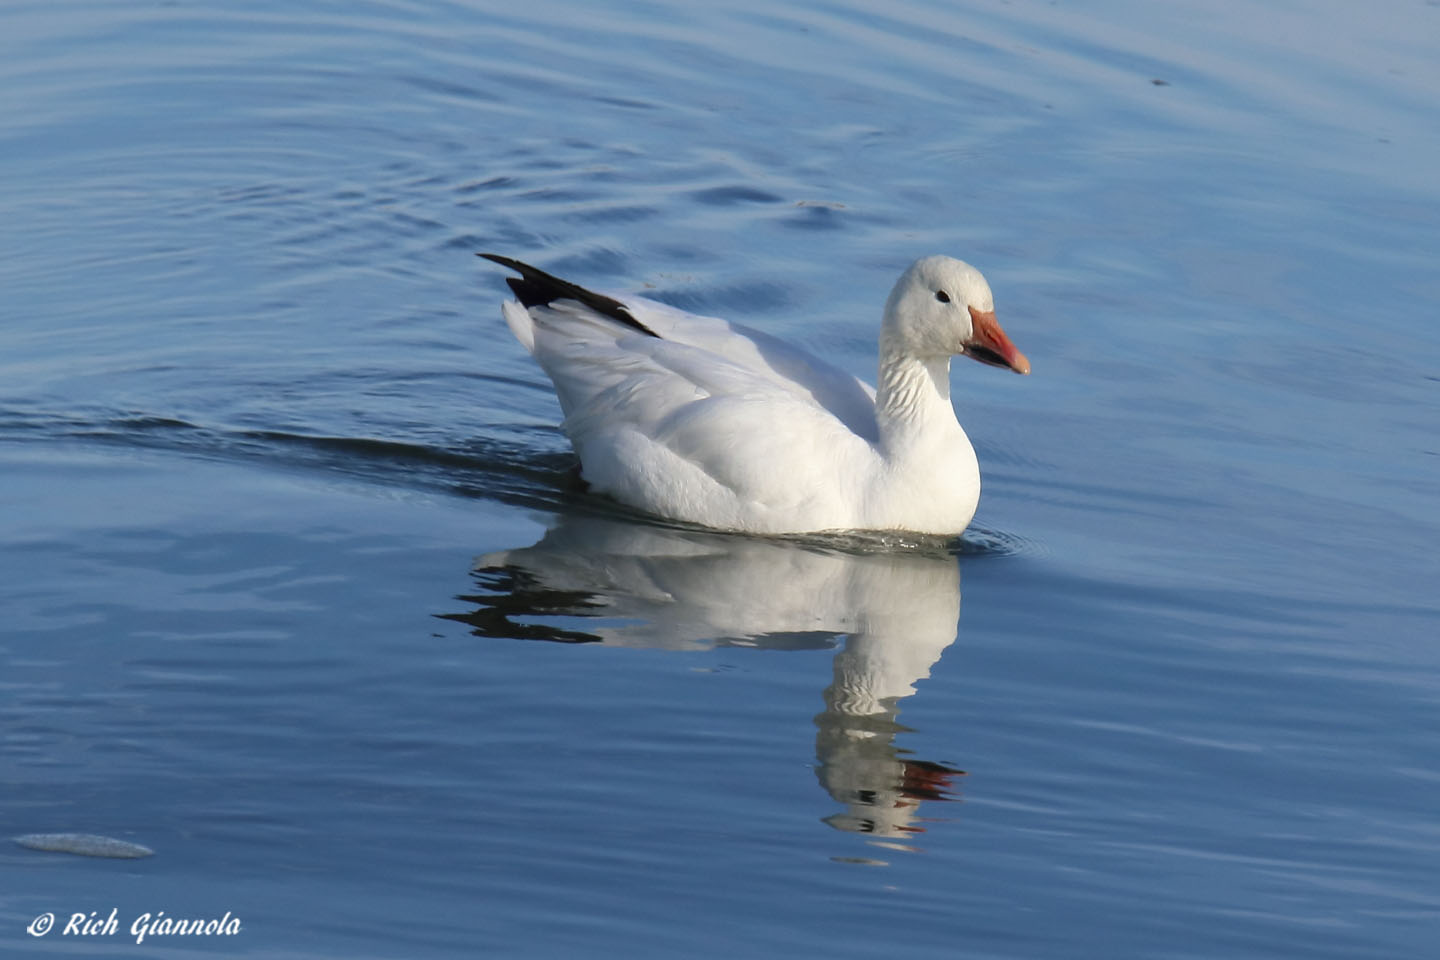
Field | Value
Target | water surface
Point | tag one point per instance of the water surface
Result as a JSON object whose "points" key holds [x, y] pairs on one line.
{"points": [[301, 594]]}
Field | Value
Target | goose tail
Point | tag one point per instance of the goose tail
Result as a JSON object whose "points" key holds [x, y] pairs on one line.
{"points": [[534, 288]]}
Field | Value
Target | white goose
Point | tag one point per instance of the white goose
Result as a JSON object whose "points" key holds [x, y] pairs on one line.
{"points": [[701, 420]]}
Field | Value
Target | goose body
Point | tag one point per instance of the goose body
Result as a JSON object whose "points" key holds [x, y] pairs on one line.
{"points": [[697, 419]]}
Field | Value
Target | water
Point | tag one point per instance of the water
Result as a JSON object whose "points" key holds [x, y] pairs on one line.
{"points": [[287, 524]]}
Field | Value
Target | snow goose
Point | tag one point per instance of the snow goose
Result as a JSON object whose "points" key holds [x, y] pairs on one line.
{"points": [[704, 421]]}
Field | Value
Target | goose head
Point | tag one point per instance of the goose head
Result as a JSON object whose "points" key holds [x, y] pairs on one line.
{"points": [[941, 307]]}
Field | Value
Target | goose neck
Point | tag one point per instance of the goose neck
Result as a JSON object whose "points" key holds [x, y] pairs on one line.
{"points": [[912, 398]]}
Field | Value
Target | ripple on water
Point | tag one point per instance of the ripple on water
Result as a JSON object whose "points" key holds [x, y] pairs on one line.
{"points": [[733, 194], [979, 541]]}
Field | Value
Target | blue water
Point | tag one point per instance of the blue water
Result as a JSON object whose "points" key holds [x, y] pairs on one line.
{"points": [[299, 592]]}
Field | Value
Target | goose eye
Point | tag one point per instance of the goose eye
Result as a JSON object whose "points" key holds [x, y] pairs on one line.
{"points": [[942, 296]]}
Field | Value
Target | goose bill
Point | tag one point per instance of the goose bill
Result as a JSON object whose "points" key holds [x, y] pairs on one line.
{"points": [[989, 344]]}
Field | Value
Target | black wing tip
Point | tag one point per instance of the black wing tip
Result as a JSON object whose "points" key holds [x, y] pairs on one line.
{"points": [[534, 287]]}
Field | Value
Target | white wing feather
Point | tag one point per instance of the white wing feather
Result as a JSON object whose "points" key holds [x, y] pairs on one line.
{"points": [[699, 416]]}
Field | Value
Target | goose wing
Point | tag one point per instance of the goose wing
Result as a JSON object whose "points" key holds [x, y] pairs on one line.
{"points": [[763, 356]]}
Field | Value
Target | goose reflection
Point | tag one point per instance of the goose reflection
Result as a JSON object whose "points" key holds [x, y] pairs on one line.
{"points": [[888, 614]]}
